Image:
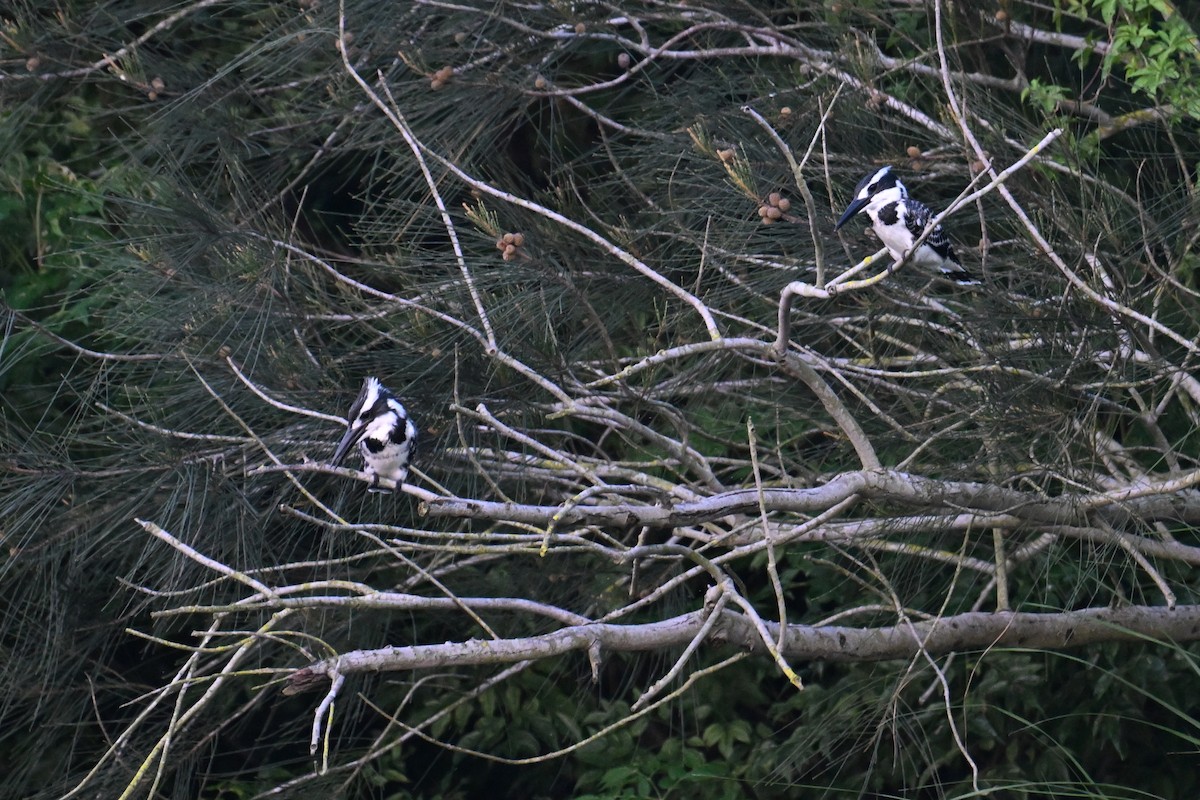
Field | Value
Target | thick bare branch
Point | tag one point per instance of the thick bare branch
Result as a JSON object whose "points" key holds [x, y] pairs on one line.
{"points": [[970, 631], [889, 485]]}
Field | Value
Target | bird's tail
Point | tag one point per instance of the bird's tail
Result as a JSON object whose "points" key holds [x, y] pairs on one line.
{"points": [[960, 276]]}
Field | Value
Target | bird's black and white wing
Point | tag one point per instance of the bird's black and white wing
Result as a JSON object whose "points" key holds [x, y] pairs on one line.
{"points": [[936, 250]]}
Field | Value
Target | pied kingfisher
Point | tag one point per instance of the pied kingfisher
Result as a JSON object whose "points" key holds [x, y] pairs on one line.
{"points": [[385, 435], [898, 221]]}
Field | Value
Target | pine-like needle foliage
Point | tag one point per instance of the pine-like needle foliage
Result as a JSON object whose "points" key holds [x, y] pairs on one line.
{"points": [[559, 232]]}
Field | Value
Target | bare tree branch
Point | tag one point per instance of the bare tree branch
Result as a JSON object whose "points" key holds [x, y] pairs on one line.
{"points": [[971, 631]]}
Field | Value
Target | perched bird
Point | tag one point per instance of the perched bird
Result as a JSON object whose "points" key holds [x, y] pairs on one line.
{"points": [[385, 435], [899, 220]]}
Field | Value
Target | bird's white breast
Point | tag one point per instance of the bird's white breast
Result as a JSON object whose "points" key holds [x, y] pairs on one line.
{"points": [[381, 427], [392, 460], [896, 237]]}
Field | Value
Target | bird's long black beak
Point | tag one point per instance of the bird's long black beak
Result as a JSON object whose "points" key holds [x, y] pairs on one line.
{"points": [[856, 206], [350, 438]]}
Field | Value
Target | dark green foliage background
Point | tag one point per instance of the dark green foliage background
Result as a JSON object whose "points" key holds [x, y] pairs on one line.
{"points": [[142, 226]]}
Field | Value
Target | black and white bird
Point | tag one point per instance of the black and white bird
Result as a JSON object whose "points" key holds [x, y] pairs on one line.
{"points": [[899, 220], [385, 434]]}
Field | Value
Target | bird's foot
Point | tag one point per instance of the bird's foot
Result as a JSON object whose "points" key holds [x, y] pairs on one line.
{"points": [[375, 488]]}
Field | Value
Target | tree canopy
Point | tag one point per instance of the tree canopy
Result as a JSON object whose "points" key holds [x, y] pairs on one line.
{"points": [[711, 500]]}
